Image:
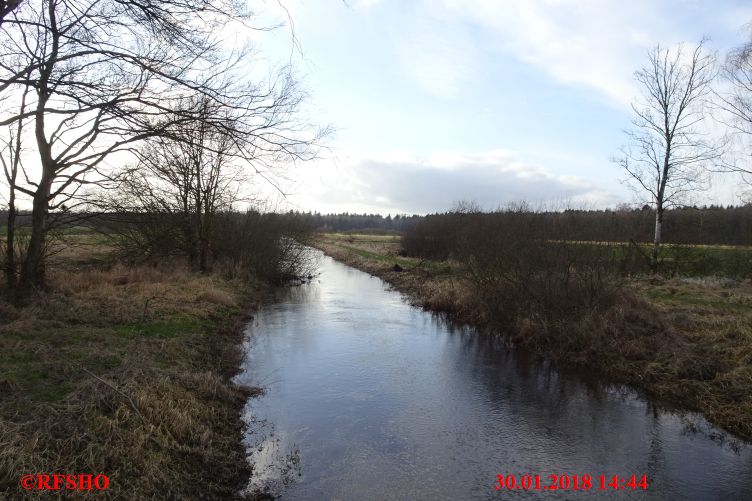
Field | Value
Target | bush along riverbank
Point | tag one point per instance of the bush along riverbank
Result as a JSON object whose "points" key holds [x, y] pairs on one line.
{"points": [[126, 372], [685, 341]]}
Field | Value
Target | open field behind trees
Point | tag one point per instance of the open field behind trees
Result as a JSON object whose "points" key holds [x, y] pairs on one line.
{"points": [[686, 340]]}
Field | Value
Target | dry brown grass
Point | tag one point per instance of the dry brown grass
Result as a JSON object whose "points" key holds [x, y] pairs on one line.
{"points": [[712, 318], [684, 341], [124, 295], [126, 371]]}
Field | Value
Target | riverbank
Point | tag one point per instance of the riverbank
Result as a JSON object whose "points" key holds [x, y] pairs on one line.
{"points": [[126, 371], [687, 342]]}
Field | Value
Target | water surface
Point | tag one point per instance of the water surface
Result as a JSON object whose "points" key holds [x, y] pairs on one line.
{"points": [[369, 398]]}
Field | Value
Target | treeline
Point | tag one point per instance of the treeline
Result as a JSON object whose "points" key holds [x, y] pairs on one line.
{"points": [[708, 225], [712, 225], [269, 246], [361, 222], [612, 241]]}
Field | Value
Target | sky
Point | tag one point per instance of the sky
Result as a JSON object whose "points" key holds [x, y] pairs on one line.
{"points": [[492, 101]]}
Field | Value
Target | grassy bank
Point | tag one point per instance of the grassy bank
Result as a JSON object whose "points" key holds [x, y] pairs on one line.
{"points": [[126, 372], [687, 341]]}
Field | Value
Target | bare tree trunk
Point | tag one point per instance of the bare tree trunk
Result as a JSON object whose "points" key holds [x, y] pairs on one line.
{"points": [[10, 245], [33, 269], [205, 235], [203, 264], [656, 240], [189, 235], [11, 174], [190, 243], [196, 238]]}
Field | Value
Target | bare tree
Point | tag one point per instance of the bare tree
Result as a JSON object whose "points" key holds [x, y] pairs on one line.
{"points": [[736, 107], [6, 7], [10, 159], [190, 177], [109, 74], [668, 152]]}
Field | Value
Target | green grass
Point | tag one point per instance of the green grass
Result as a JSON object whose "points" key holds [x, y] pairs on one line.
{"points": [[362, 237], [689, 299], [678, 259], [160, 329], [674, 259], [43, 355], [374, 255], [438, 267], [40, 367]]}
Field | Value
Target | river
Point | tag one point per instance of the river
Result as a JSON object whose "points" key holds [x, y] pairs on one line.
{"points": [[368, 398]]}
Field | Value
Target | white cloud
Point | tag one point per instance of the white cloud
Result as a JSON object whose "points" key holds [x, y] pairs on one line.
{"points": [[409, 183], [364, 3], [594, 43], [435, 52], [583, 42]]}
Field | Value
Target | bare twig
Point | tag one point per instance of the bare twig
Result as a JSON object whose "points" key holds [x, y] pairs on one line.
{"points": [[117, 390]]}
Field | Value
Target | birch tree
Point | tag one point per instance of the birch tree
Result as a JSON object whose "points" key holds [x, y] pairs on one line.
{"points": [[736, 110], [668, 152]]}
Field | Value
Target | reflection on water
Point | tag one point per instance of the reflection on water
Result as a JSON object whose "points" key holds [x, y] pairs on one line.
{"points": [[369, 398]]}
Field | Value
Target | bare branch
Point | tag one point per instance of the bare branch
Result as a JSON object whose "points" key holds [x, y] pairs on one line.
{"points": [[669, 155]]}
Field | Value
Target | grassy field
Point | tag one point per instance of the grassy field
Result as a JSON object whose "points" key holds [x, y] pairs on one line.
{"points": [[686, 341], [688, 260], [125, 372]]}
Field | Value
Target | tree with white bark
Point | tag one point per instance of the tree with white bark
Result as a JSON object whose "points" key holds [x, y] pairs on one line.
{"points": [[669, 151], [735, 106]]}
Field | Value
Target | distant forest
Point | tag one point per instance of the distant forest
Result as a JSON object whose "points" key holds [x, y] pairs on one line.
{"points": [[711, 225], [691, 225]]}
